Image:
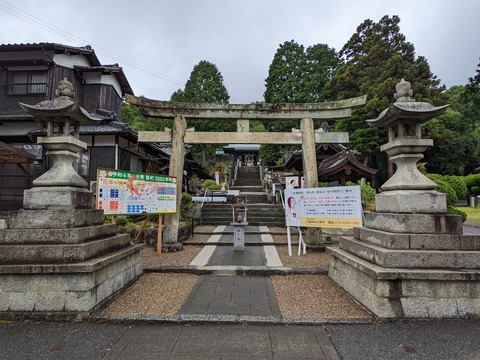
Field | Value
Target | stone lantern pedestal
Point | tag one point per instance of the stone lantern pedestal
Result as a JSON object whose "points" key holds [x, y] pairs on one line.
{"points": [[57, 258], [410, 260]]}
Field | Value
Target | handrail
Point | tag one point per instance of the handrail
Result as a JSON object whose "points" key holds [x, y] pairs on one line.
{"points": [[204, 197], [281, 197]]}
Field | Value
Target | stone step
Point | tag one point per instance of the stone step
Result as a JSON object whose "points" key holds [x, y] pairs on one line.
{"points": [[61, 253], [415, 223], [257, 214], [56, 236], [417, 241], [54, 219], [411, 259]]}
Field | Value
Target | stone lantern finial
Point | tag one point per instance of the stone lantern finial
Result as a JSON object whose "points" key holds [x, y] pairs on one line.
{"points": [[65, 88], [404, 91]]}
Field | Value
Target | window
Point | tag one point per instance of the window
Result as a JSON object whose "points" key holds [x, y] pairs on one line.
{"points": [[84, 161], [27, 82]]}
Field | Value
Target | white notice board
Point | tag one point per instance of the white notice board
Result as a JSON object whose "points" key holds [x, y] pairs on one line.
{"points": [[334, 207]]}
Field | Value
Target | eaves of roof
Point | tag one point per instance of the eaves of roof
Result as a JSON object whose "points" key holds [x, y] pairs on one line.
{"points": [[87, 50], [114, 69]]}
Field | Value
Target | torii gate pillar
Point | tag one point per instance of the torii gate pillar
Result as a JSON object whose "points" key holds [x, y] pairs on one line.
{"points": [[309, 156], [170, 231]]}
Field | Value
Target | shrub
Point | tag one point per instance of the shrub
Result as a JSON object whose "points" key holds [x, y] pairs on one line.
{"points": [[457, 183], [208, 183], [472, 180], [367, 193], [475, 190], [444, 187], [454, 211]]}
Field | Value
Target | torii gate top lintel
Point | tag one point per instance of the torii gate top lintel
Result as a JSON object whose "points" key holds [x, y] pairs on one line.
{"points": [[260, 111], [179, 136]]}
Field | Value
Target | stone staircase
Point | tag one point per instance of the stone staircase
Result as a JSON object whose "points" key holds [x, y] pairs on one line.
{"points": [[257, 215], [260, 212]]}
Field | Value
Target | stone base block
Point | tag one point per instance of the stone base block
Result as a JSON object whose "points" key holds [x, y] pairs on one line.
{"points": [[389, 240], [56, 236], [61, 253], [411, 201], [57, 197], [66, 291], [410, 294], [415, 223], [54, 219], [408, 259]]}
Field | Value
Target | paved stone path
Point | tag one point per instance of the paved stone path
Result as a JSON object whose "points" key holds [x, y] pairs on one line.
{"points": [[234, 295]]}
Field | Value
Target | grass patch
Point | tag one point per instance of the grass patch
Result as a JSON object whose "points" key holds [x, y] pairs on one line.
{"points": [[473, 214]]}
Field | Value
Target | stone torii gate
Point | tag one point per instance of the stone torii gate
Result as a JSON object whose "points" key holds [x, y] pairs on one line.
{"points": [[307, 136]]}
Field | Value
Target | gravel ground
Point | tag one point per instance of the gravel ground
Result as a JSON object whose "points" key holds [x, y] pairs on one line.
{"points": [[298, 296], [310, 259], [150, 258], [314, 296], [161, 294]]}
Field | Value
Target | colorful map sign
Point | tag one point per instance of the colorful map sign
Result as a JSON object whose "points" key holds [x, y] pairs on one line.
{"points": [[332, 207], [127, 192]]}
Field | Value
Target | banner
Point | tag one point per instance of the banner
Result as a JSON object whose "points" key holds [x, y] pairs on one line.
{"points": [[335, 207], [127, 192]]}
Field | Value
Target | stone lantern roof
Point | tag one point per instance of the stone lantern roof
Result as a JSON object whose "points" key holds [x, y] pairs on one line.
{"points": [[406, 109], [62, 106]]}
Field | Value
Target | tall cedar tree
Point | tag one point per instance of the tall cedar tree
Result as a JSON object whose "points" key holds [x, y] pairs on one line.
{"points": [[205, 85], [296, 75], [456, 134], [376, 58]]}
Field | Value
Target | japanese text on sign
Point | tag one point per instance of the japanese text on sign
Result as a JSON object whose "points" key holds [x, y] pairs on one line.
{"points": [[336, 207], [127, 192]]}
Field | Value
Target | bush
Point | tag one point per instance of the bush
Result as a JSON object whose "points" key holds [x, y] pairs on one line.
{"points": [[367, 193], [186, 205], [458, 184], [444, 187], [475, 190], [454, 211], [472, 180], [208, 183]]}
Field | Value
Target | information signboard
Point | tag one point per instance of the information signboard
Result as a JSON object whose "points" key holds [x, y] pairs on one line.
{"points": [[332, 207], [128, 193]]}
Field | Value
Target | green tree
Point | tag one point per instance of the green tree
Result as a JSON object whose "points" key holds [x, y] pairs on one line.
{"points": [[377, 57], [132, 116], [296, 75], [470, 99], [456, 145], [205, 85]]}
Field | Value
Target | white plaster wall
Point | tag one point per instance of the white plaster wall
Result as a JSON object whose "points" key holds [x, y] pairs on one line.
{"points": [[70, 61], [104, 140]]}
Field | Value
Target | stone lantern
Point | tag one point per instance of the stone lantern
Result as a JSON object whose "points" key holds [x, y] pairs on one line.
{"points": [[60, 260], [408, 190], [61, 186]]}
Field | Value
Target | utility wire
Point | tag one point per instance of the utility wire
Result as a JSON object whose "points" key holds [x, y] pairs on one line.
{"points": [[36, 21]]}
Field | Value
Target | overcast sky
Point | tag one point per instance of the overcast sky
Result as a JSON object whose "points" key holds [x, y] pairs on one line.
{"points": [[159, 42]]}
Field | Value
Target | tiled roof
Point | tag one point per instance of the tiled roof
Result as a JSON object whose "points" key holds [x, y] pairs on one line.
{"points": [[85, 50]]}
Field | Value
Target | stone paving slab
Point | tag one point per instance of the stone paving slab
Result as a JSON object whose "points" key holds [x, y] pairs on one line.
{"points": [[223, 342], [232, 295], [226, 255]]}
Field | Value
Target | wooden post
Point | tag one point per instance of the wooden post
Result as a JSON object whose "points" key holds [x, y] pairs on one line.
{"points": [[159, 235]]}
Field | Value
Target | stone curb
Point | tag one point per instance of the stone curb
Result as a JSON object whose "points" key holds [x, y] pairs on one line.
{"points": [[225, 319], [237, 270]]}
